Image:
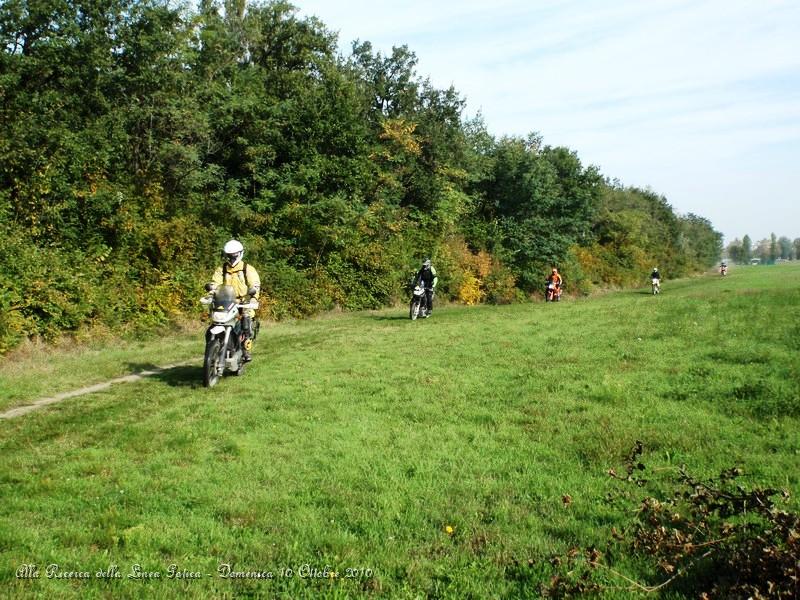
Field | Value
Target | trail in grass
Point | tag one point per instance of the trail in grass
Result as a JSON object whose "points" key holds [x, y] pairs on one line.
{"points": [[42, 402]]}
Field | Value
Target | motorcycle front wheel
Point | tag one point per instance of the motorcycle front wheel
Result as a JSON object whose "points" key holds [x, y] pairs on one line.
{"points": [[240, 370], [414, 311], [210, 363]]}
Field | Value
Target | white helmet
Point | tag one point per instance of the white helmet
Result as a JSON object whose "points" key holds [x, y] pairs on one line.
{"points": [[234, 251]]}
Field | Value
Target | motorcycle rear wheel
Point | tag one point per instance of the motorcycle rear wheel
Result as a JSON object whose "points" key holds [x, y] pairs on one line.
{"points": [[210, 363]]}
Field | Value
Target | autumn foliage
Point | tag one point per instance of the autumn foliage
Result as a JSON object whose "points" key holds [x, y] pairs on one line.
{"points": [[136, 137]]}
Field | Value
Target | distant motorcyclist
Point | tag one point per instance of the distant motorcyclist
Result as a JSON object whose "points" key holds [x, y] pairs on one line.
{"points": [[242, 277], [655, 280], [723, 268], [656, 275], [556, 281], [427, 276], [554, 277]]}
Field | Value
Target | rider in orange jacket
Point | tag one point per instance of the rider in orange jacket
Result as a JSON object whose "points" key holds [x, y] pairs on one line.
{"points": [[554, 277]]}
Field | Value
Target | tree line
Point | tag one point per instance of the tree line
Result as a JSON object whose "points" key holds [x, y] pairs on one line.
{"points": [[767, 251], [137, 136]]}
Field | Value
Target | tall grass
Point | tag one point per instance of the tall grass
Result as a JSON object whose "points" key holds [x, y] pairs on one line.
{"points": [[438, 454]]}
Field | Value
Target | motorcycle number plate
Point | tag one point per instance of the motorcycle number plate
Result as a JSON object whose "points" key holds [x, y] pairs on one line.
{"points": [[217, 329]]}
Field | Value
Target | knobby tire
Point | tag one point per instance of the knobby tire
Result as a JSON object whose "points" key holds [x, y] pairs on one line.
{"points": [[210, 362], [414, 312]]}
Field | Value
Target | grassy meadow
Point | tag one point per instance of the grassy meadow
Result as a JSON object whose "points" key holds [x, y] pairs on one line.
{"points": [[413, 459]]}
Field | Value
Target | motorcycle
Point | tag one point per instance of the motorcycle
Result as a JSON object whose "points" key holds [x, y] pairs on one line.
{"points": [[656, 285], [418, 301], [723, 270], [552, 292], [225, 335]]}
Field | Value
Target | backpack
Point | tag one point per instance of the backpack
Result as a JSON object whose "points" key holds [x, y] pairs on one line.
{"points": [[244, 270]]}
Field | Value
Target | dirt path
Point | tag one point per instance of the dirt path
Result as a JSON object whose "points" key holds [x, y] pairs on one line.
{"points": [[89, 389]]}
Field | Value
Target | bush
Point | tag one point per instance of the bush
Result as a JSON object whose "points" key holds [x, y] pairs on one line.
{"points": [[711, 539], [475, 277], [48, 291]]}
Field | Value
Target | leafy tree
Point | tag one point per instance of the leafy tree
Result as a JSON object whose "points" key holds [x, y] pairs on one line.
{"points": [[785, 248], [747, 248], [634, 230], [702, 245], [136, 136], [390, 83], [762, 251], [542, 200], [774, 252], [735, 251]]}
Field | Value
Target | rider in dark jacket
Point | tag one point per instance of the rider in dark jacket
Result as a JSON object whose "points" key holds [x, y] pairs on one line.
{"points": [[427, 275]]}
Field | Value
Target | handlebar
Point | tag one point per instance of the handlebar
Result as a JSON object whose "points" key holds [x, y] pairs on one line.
{"points": [[253, 304]]}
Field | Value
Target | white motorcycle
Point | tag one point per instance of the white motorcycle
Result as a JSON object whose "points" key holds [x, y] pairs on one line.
{"points": [[225, 335], [418, 301], [656, 285]]}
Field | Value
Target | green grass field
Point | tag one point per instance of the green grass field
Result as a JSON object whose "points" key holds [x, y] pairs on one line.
{"points": [[415, 459]]}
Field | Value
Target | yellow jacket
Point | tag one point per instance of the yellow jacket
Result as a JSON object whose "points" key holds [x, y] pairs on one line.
{"points": [[234, 276]]}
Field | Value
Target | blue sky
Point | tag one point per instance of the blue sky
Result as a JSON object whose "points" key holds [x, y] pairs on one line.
{"points": [[699, 100]]}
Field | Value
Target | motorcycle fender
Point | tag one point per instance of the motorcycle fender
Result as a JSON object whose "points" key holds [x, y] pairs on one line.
{"points": [[217, 329]]}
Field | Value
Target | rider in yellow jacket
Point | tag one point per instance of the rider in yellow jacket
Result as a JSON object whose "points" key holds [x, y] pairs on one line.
{"points": [[242, 277]]}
